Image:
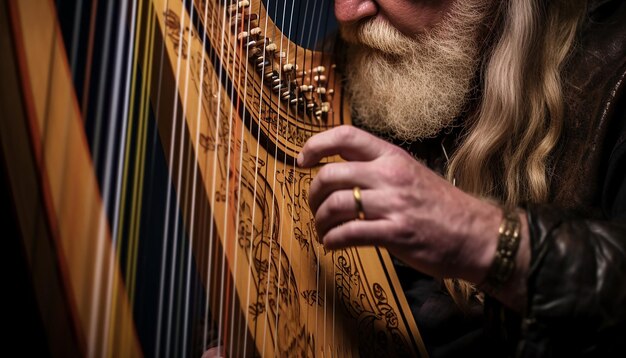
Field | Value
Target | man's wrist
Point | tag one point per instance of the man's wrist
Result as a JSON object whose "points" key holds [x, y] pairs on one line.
{"points": [[504, 260], [508, 284]]}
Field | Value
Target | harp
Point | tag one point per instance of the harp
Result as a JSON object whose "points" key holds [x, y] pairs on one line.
{"points": [[152, 176]]}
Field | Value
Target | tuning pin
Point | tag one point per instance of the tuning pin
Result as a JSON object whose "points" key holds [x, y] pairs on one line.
{"points": [[325, 107], [237, 19], [320, 79], [263, 42], [319, 69], [329, 95], [271, 75], [234, 8], [261, 63], [306, 88], [270, 48], [254, 52], [278, 87], [245, 38], [281, 56], [290, 67], [255, 31], [286, 95]]}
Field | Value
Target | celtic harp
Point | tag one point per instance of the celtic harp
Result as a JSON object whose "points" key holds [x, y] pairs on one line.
{"points": [[148, 157]]}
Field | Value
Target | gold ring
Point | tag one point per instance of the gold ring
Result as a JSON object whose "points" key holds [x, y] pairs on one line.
{"points": [[356, 192]]}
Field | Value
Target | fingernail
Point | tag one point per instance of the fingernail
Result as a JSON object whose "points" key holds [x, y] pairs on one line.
{"points": [[300, 159]]}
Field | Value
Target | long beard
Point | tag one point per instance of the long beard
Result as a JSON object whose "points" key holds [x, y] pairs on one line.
{"points": [[412, 88]]}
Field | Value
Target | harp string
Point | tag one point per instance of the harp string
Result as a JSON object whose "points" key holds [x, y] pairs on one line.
{"points": [[101, 266], [183, 191], [244, 64], [125, 130], [200, 109], [215, 19], [253, 213], [284, 164], [166, 229], [190, 162], [229, 178], [306, 31], [90, 44], [271, 201], [272, 212], [214, 176], [332, 81], [174, 175]]}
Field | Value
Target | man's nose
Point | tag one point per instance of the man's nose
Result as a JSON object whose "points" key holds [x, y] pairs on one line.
{"points": [[347, 11]]}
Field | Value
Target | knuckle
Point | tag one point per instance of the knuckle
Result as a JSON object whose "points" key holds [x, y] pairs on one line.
{"points": [[324, 175], [395, 174], [345, 133], [334, 204], [401, 229]]}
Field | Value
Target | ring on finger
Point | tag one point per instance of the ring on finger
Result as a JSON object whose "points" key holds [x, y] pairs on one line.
{"points": [[358, 201]]}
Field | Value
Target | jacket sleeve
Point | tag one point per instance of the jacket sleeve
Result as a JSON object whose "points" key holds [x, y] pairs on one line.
{"points": [[577, 279], [576, 285]]}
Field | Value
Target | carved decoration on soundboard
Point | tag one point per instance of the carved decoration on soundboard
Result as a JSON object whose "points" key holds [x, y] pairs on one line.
{"points": [[293, 187], [175, 33], [312, 297], [377, 321], [205, 82], [277, 302]]}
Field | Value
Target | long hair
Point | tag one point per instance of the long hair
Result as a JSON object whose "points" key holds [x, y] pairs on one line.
{"points": [[505, 153]]}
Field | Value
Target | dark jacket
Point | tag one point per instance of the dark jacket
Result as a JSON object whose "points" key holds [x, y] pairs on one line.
{"points": [[577, 282]]}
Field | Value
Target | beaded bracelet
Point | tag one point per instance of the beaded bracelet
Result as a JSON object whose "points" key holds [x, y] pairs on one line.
{"points": [[503, 264]]}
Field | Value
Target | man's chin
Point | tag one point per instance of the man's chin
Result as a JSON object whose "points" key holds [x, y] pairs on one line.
{"points": [[411, 89]]}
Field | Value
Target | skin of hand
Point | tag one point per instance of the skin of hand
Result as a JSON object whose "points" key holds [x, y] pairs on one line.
{"points": [[214, 352], [416, 214]]}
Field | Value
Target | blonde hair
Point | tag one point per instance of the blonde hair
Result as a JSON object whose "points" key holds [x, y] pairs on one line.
{"points": [[505, 152]]}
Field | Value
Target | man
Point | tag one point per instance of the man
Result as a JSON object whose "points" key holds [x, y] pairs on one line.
{"points": [[520, 104], [526, 96]]}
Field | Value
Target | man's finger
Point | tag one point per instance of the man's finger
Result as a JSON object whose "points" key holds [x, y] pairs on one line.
{"points": [[350, 143], [341, 207], [340, 176], [358, 233]]}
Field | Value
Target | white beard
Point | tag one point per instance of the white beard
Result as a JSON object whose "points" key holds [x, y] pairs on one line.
{"points": [[413, 88]]}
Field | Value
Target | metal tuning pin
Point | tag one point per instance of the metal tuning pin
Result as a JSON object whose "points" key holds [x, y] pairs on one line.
{"points": [[290, 68], [271, 48], [319, 70], [281, 56], [320, 79], [234, 8], [306, 90], [245, 17]]}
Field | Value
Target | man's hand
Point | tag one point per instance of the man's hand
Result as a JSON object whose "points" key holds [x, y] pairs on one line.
{"points": [[415, 213]]}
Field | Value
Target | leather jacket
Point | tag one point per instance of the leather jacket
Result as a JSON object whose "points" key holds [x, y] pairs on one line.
{"points": [[577, 282], [576, 303]]}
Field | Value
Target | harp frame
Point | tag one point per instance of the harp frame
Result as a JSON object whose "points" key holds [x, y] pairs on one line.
{"points": [[48, 163]]}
